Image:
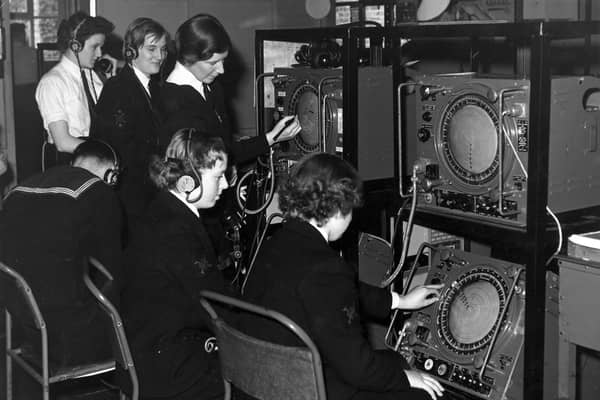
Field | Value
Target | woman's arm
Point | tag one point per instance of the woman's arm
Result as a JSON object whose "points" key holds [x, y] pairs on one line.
{"points": [[52, 97], [64, 142]]}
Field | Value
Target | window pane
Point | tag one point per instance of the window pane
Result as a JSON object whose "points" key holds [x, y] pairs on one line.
{"points": [[45, 8], [346, 14], [375, 13], [44, 30], [18, 6], [18, 31]]}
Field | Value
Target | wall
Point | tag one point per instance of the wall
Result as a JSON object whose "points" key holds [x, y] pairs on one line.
{"points": [[240, 17]]}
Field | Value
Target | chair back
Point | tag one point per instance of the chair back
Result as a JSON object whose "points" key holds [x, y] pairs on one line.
{"points": [[263, 369], [13, 285], [124, 357]]}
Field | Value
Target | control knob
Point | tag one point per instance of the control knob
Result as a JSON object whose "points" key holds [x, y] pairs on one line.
{"points": [[442, 369], [428, 364], [424, 134]]}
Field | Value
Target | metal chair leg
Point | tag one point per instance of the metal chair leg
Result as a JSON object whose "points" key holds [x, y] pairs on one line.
{"points": [[227, 390], [8, 327]]}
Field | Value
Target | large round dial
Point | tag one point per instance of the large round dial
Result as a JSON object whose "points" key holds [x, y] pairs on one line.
{"points": [[305, 104], [470, 310], [469, 140]]}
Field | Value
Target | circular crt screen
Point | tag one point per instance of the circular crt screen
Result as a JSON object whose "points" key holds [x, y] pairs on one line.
{"points": [[470, 310], [305, 104], [469, 139]]}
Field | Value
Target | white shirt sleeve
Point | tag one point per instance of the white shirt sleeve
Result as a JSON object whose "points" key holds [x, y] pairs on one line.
{"points": [[395, 300], [60, 97], [50, 97]]}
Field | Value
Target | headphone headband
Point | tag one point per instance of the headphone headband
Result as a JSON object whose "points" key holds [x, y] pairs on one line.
{"points": [[74, 44], [111, 176]]}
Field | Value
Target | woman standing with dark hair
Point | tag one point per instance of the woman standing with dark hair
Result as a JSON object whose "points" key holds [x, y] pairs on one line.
{"points": [[129, 115], [299, 275], [199, 101], [170, 261]]}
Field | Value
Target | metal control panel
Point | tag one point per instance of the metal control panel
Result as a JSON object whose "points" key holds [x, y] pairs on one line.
{"points": [[467, 139]]}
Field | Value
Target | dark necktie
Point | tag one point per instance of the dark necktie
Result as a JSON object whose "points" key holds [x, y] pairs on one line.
{"points": [[210, 101], [208, 95], [154, 89]]}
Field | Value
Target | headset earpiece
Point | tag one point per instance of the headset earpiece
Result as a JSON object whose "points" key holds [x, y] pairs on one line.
{"points": [[130, 53], [74, 44], [189, 182], [111, 177], [186, 184]]}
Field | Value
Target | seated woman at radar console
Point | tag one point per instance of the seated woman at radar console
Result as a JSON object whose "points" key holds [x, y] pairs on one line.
{"points": [[170, 261], [298, 274]]}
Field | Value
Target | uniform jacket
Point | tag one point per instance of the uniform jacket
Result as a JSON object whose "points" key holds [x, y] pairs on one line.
{"points": [[186, 108], [130, 120], [49, 225], [169, 263], [298, 274]]}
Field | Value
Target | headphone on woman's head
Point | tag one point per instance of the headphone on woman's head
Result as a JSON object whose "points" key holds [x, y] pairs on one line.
{"points": [[187, 183], [74, 44], [130, 51]]}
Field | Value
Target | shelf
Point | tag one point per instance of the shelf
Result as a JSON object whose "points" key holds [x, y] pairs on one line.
{"points": [[530, 58]]}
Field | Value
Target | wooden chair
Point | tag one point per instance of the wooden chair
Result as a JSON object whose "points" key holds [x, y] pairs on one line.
{"points": [[262, 369]]}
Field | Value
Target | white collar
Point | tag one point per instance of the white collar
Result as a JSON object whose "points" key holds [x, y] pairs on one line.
{"points": [[322, 229], [182, 76], [144, 80], [70, 66], [181, 198]]}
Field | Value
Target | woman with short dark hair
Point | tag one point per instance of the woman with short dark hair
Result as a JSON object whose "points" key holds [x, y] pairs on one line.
{"points": [[195, 98], [198, 100], [298, 274], [170, 261], [66, 94]]}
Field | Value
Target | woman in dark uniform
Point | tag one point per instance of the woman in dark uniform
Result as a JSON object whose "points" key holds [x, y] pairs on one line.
{"points": [[194, 98], [170, 261], [129, 115], [197, 99], [298, 274]]}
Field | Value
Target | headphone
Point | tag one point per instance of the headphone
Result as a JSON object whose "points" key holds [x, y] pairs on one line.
{"points": [[74, 44], [188, 183], [130, 52], [111, 176]]}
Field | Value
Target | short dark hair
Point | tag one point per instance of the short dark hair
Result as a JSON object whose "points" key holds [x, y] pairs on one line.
{"points": [[199, 38], [85, 26], [204, 152], [320, 186], [95, 149], [137, 31]]}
